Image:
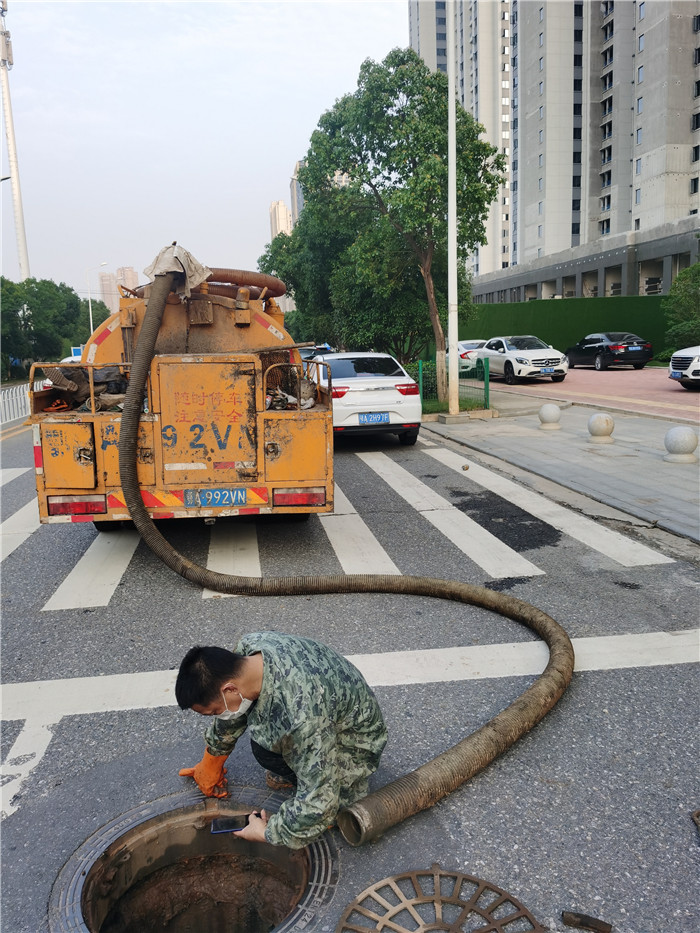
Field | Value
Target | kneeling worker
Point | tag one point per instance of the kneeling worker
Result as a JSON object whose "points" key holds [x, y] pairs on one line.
{"points": [[314, 723]]}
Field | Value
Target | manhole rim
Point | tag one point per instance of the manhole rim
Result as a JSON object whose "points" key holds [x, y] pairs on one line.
{"points": [[65, 913]]}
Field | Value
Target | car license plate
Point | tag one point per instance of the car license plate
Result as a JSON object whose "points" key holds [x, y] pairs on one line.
{"points": [[374, 417], [208, 498], [675, 375], [634, 348], [547, 369]]}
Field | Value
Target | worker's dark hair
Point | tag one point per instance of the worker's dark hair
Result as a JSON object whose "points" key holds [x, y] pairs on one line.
{"points": [[203, 671]]}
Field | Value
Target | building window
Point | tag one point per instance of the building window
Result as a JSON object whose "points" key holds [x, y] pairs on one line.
{"points": [[576, 205], [606, 179], [640, 105], [576, 158], [541, 39], [642, 10], [540, 160], [608, 56], [577, 132], [606, 155], [578, 84], [608, 31], [539, 230], [540, 184], [640, 74], [606, 130], [442, 53], [541, 113], [540, 136], [576, 229], [607, 105], [641, 43], [695, 154], [605, 203], [575, 181], [636, 223], [607, 81], [694, 185], [639, 135], [541, 14], [540, 207], [695, 121], [696, 23], [604, 226], [696, 57], [440, 21], [541, 88], [441, 35], [637, 195], [541, 64], [696, 89], [637, 166]]}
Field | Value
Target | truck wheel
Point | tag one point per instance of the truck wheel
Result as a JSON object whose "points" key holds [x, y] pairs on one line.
{"points": [[600, 363], [509, 374]]}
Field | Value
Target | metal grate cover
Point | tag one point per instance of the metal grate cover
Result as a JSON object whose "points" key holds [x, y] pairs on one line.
{"points": [[436, 900]]}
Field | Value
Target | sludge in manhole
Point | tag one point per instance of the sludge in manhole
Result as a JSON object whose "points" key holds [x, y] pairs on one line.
{"points": [[433, 899], [169, 873]]}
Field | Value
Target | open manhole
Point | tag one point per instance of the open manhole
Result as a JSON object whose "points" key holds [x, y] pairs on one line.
{"points": [[159, 867], [433, 899]]}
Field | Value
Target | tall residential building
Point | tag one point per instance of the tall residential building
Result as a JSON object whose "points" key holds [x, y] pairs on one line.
{"points": [[596, 107], [109, 291], [128, 277], [296, 193], [280, 219]]}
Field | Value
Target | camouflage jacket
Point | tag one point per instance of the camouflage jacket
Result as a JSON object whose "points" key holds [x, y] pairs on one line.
{"points": [[317, 711]]}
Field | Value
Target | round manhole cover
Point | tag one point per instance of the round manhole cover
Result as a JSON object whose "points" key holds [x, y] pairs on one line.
{"points": [[161, 867], [433, 899]]}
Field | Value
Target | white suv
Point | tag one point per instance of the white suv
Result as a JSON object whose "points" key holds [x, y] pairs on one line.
{"points": [[685, 367]]}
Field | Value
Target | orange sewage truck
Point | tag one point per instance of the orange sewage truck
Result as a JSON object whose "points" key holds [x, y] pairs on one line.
{"points": [[233, 421]]}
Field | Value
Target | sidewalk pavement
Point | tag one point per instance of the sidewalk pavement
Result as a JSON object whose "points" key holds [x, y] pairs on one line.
{"points": [[630, 474]]}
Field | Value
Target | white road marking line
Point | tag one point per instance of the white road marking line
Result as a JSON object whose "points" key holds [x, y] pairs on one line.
{"points": [[43, 703], [97, 574], [483, 548], [354, 544], [426, 443], [618, 547], [18, 527], [10, 473], [233, 549]]}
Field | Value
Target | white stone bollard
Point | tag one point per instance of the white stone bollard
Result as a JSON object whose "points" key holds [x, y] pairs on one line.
{"points": [[681, 443], [600, 427], [549, 417]]}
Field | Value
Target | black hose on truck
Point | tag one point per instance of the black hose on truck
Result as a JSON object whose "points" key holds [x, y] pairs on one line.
{"points": [[372, 815]]}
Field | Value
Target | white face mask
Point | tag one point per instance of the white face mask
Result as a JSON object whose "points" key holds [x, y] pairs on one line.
{"points": [[229, 714]]}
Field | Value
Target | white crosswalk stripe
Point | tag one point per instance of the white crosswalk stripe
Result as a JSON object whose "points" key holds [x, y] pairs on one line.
{"points": [[10, 473], [97, 574], [233, 549], [624, 550], [18, 527], [355, 546], [483, 548]]}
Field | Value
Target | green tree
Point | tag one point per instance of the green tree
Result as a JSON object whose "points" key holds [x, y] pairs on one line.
{"points": [[682, 309], [389, 140]]}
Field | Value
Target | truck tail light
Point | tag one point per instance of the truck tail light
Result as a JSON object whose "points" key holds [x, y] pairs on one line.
{"points": [[408, 388], [339, 391], [77, 505], [314, 495]]}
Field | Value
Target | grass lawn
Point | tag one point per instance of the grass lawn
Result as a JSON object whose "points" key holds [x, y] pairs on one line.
{"points": [[431, 406]]}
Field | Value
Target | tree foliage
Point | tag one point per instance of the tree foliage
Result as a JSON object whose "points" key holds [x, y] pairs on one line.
{"points": [[41, 321], [388, 141], [682, 309]]}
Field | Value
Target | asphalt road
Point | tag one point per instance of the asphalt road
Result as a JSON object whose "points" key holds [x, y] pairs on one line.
{"points": [[589, 812]]}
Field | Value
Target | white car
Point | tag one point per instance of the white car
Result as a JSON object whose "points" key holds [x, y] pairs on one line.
{"points": [[685, 367], [371, 392], [467, 353], [523, 357]]}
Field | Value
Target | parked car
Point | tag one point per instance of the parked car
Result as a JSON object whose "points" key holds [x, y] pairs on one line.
{"points": [[523, 357], [685, 367], [467, 353], [372, 392], [307, 353], [610, 349]]}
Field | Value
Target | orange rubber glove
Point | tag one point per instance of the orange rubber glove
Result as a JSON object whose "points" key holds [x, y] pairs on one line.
{"points": [[209, 775]]}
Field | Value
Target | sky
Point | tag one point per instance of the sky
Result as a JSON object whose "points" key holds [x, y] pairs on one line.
{"points": [[141, 123]]}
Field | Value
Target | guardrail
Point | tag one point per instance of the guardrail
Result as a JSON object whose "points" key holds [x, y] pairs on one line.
{"points": [[14, 402]]}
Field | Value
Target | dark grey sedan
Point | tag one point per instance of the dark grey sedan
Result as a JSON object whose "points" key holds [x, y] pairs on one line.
{"points": [[610, 349]]}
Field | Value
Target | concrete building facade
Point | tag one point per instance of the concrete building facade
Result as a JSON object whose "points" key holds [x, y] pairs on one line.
{"points": [[596, 107], [280, 219]]}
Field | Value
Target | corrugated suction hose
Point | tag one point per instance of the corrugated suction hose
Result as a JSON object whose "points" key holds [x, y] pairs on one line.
{"points": [[370, 817]]}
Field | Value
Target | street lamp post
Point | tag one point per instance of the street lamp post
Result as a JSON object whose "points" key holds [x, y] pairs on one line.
{"points": [[87, 276]]}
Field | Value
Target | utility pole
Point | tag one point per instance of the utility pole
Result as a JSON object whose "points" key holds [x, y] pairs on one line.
{"points": [[5, 65], [452, 307]]}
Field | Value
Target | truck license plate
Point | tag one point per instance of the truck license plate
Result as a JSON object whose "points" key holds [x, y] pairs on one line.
{"points": [[374, 417], [211, 498], [547, 369]]}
